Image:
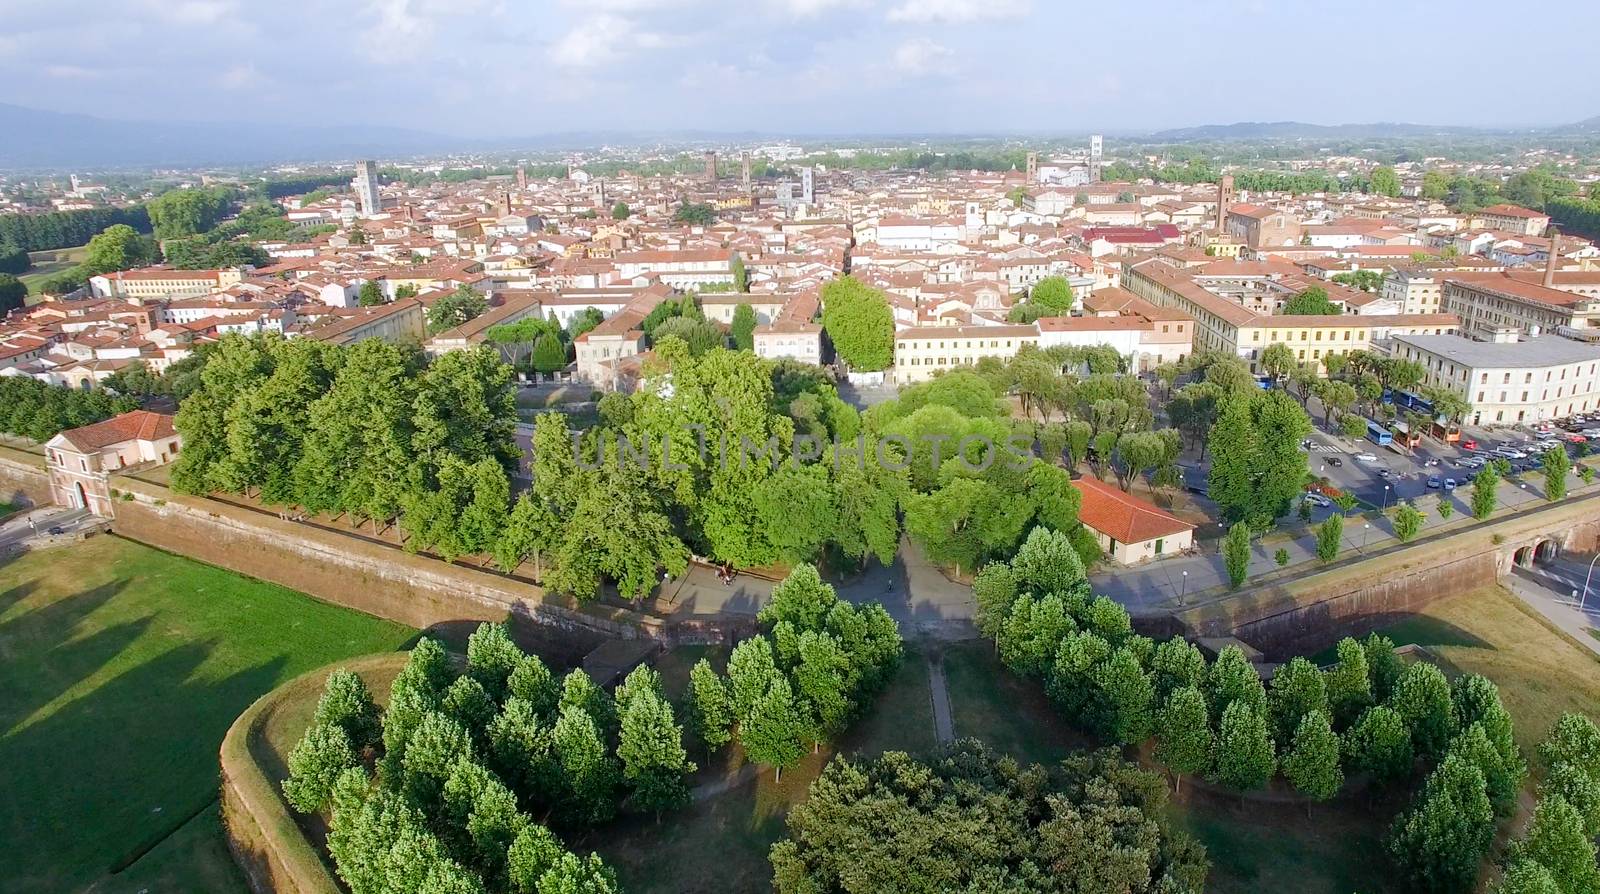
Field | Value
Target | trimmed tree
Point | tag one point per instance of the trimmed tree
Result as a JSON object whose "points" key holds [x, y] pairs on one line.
{"points": [[1236, 554], [1124, 698], [1556, 465], [743, 328], [710, 710], [651, 750], [1484, 498], [1297, 689], [1440, 843], [1243, 758], [318, 758], [347, 703], [1407, 522], [1329, 536], [1379, 744], [1422, 699], [1312, 764], [773, 731], [860, 324], [1183, 734]]}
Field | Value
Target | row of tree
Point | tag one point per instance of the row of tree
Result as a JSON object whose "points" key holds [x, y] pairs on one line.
{"points": [[1369, 712], [32, 409], [65, 229], [802, 680], [464, 761], [1556, 854]]}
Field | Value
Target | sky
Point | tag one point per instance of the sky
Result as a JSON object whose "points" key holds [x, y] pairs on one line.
{"points": [[495, 68]]}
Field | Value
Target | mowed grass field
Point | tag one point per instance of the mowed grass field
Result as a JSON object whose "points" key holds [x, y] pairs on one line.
{"points": [[123, 667], [49, 263]]}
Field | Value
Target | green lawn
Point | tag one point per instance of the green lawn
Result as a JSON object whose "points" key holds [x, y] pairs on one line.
{"points": [[49, 263], [123, 668]]}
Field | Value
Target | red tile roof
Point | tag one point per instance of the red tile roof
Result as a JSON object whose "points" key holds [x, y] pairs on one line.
{"points": [[137, 425], [1124, 517]]}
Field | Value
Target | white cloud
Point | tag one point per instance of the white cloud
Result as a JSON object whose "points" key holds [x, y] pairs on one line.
{"points": [[958, 11], [73, 72], [601, 39], [238, 77], [803, 9], [920, 56], [195, 12]]}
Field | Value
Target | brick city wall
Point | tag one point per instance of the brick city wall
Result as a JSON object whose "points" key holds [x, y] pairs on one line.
{"points": [[348, 570]]}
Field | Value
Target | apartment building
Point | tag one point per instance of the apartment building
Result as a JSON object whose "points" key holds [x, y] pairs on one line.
{"points": [[921, 351], [1261, 227], [157, 283], [1489, 304], [399, 322], [679, 269], [1222, 325], [1509, 382], [1512, 219]]}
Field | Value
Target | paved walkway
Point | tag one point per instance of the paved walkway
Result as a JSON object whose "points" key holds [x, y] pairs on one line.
{"points": [[1547, 594], [943, 727]]}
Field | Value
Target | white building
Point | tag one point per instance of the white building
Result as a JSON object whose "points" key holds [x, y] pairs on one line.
{"points": [[1508, 382]]}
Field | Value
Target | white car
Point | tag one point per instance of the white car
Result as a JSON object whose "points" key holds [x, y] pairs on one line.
{"points": [[1510, 453], [1591, 433], [1366, 457], [1316, 499]]}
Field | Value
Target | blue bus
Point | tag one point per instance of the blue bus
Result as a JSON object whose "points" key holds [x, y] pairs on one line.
{"points": [[1408, 400], [1379, 434]]}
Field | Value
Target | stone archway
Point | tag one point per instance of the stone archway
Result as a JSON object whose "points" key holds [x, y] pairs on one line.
{"points": [[1545, 550], [1523, 557]]}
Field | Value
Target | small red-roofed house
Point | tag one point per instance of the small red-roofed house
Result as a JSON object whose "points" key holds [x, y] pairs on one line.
{"points": [[81, 459], [1129, 529]]}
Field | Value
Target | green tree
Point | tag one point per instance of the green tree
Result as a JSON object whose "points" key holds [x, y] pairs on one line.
{"points": [[1298, 689], [741, 277], [1446, 507], [1407, 522], [1349, 687], [1353, 427], [1312, 764], [994, 590], [621, 211], [1053, 295], [1556, 465], [315, 764], [1502, 781], [1313, 301], [1281, 557], [347, 703], [1177, 664], [698, 214], [13, 259], [371, 294], [1526, 877], [1278, 361], [119, 247], [1422, 699], [492, 658], [549, 354], [1243, 758], [13, 294], [1233, 678], [1385, 182], [1380, 744], [1484, 498], [1330, 535], [1439, 844], [1124, 698], [1383, 665], [710, 709], [590, 774], [1236, 554], [461, 306], [1257, 466], [744, 327], [860, 324], [773, 730], [1183, 734], [651, 750]]}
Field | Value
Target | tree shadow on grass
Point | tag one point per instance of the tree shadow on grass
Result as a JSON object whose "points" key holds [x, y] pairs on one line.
{"points": [[58, 644], [112, 772]]}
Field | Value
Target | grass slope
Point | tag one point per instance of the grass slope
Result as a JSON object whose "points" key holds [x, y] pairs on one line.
{"points": [[124, 667]]}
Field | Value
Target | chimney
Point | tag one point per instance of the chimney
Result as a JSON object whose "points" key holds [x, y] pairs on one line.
{"points": [[1554, 259], [1224, 196]]}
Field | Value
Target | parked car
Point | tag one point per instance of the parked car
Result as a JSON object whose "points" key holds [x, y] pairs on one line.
{"points": [[1366, 458], [1591, 432], [1385, 474], [1449, 484], [1335, 461], [1509, 452], [1576, 438], [1435, 482], [1469, 444], [1317, 499]]}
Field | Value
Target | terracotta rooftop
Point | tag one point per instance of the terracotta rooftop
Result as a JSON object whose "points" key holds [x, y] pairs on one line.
{"points": [[1124, 517], [137, 425]]}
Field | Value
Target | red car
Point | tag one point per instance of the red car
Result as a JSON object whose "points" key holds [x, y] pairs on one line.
{"points": [[1575, 438], [1469, 444]]}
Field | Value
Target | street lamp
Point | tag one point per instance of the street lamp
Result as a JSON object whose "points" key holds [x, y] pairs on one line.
{"points": [[1586, 578], [1185, 588], [1365, 529], [1385, 497]]}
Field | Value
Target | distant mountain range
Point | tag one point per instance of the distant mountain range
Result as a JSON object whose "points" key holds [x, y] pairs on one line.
{"points": [[1299, 130], [37, 139], [40, 139]]}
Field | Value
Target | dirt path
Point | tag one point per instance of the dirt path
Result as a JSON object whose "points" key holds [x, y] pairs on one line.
{"points": [[943, 727]]}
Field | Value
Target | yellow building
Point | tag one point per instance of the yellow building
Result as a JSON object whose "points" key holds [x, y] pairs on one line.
{"points": [[1224, 326], [921, 351]]}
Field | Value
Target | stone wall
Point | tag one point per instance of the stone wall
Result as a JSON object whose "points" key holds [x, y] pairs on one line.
{"points": [[1311, 613], [23, 477], [349, 570]]}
